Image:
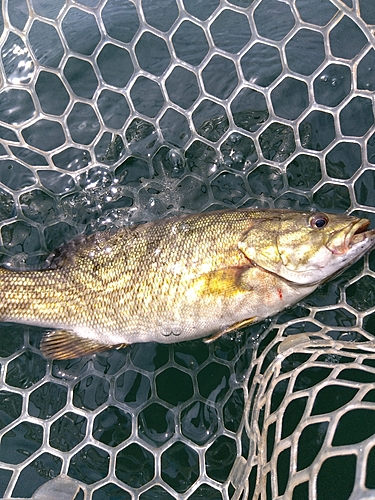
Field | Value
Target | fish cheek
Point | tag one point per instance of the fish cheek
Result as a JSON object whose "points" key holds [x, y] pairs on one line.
{"points": [[303, 247]]}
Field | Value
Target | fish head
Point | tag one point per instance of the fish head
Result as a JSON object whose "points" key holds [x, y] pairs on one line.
{"points": [[306, 248]]}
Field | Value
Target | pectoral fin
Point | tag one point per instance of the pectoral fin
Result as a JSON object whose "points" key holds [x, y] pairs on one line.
{"points": [[236, 326], [62, 344]]}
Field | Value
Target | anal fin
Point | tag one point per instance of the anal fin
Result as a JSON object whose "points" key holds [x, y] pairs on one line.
{"points": [[62, 344], [236, 326]]}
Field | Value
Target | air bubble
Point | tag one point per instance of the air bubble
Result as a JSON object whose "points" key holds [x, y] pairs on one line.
{"points": [[176, 158]]}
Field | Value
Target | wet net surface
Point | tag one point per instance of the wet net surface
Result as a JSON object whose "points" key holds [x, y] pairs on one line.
{"points": [[118, 112]]}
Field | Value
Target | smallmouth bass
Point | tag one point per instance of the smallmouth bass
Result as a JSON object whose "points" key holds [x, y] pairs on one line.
{"points": [[180, 278]]}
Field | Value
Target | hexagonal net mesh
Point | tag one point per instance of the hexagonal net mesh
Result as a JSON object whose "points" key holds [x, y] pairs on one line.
{"points": [[116, 112]]}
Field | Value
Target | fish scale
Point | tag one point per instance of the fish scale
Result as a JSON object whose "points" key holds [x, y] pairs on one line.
{"points": [[180, 278]]}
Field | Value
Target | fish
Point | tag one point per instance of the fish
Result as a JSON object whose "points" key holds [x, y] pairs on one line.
{"points": [[180, 278]]}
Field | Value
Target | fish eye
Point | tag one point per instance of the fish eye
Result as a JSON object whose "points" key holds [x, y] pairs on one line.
{"points": [[318, 221]]}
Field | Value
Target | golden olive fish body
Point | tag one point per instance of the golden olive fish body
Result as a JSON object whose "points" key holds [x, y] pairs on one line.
{"points": [[180, 279]]}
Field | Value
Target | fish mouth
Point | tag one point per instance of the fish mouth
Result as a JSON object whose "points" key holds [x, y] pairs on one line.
{"points": [[347, 239], [359, 233]]}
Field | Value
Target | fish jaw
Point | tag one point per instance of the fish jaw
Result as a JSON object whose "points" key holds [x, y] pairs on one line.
{"points": [[348, 247]]}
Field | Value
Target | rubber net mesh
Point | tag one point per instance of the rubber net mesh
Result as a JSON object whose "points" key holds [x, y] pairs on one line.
{"points": [[116, 112]]}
